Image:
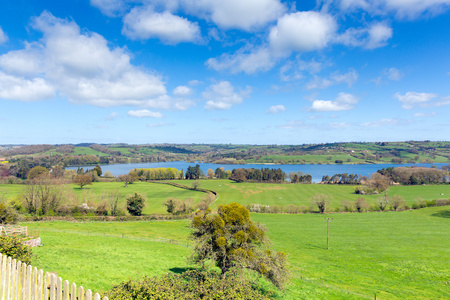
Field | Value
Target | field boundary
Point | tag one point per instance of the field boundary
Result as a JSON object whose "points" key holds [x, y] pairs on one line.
{"points": [[20, 281]]}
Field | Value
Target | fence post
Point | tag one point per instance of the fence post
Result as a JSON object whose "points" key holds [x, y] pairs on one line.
{"points": [[59, 289], [73, 293], [81, 293], [3, 279], [8, 278], [66, 290]]}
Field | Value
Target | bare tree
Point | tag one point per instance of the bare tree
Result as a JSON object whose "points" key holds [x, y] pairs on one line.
{"points": [[321, 200]]}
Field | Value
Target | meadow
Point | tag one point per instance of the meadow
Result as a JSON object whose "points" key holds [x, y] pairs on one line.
{"points": [[395, 255]]}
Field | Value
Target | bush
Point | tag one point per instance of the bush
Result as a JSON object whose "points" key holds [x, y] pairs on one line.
{"points": [[135, 204], [292, 209], [189, 285], [12, 246], [8, 214]]}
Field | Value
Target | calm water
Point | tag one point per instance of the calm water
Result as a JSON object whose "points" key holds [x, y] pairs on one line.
{"points": [[316, 171]]}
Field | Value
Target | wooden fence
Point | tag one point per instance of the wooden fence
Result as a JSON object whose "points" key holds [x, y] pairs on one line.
{"points": [[15, 229], [19, 281]]}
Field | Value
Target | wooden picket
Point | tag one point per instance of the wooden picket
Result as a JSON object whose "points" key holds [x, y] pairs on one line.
{"points": [[19, 281]]}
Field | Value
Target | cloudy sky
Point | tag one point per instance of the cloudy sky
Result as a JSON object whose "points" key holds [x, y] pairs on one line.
{"points": [[214, 71]]}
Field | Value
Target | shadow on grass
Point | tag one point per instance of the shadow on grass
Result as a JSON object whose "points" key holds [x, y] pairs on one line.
{"points": [[442, 214], [180, 270]]}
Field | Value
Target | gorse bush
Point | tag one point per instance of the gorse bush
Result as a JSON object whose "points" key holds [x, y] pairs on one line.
{"points": [[12, 246], [189, 285]]}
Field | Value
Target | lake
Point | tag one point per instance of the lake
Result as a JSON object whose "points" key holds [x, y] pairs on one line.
{"points": [[316, 171]]}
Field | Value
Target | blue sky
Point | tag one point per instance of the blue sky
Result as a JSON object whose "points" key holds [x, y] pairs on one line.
{"points": [[211, 71]]}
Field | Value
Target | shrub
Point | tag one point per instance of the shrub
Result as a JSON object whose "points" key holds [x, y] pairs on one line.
{"points": [[8, 214], [188, 285], [135, 204], [348, 207], [360, 204], [292, 209], [102, 209], [12, 246], [321, 200]]}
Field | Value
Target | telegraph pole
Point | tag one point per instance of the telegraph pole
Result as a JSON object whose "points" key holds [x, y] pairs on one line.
{"points": [[328, 225]]}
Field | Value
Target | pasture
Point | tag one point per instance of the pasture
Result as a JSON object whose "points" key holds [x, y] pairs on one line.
{"points": [[395, 255]]}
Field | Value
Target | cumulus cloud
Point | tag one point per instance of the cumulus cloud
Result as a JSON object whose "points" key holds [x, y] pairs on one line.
{"points": [[144, 23], [3, 36], [374, 36], [221, 96], [302, 31], [22, 89], [182, 91], [143, 113], [110, 7], [411, 99], [293, 70], [246, 15], [403, 9], [344, 101], [82, 67], [336, 78], [276, 109]]}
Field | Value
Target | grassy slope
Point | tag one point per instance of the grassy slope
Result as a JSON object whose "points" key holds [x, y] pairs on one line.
{"points": [[298, 194], [156, 193], [397, 255]]}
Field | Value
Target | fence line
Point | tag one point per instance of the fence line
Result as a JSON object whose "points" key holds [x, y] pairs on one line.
{"points": [[15, 229], [19, 281]]}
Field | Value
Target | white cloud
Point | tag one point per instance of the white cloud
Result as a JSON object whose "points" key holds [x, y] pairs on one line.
{"points": [[22, 62], [154, 125], [393, 74], [246, 60], [82, 67], [293, 70], [410, 99], [403, 9], [297, 124], [276, 109], [144, 114], [424, 115], [195, 82], [246, 15], [374, 36], [344, 101], [182, 91], [222, 96], [336, 78], [3, 36], [110, 7], [302, 31], [22, 89], [381, 123], [144, 23]]}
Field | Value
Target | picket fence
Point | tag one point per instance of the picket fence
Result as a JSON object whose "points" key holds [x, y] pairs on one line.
{"points": [[18, 281]]}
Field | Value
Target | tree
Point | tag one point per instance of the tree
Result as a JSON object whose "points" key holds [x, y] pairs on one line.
{"points": [[98, 170], [397, 201], [37, 172], [196, 184], [232, 240], [321, 200], [135, 204], [210, 174], [360, 204], [82, 180], [12, 246]]}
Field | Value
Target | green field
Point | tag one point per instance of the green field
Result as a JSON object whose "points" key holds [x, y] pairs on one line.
{"points": [[156, 193], [243, 193], [301, 194], [395, 255]]}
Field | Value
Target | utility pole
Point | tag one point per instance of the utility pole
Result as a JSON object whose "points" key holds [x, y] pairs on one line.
{"points": [[328, 225]]}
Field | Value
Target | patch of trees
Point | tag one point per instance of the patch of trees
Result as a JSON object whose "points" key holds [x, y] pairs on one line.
{"points": [[79, 160], [194, 172], [159, 174], [416, 175], [300, 177], [65, 149], [343, 178], [257, 175]]}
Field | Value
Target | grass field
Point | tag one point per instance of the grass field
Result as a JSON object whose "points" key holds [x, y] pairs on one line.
{"points": [[301, 194], [397, 255], [243, 193], [156, 193]]}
